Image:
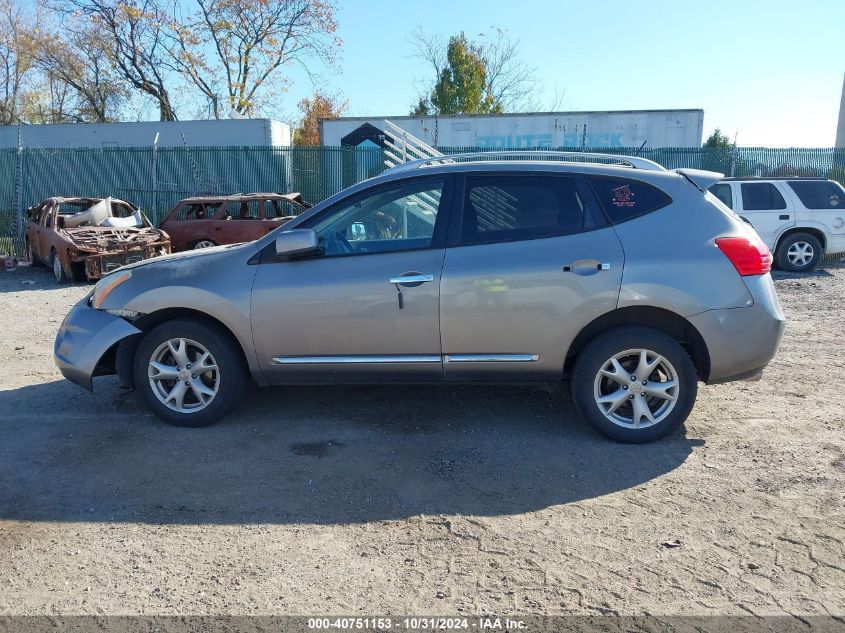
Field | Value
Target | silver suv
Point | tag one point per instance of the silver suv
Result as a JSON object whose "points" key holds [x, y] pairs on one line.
{"points": [[633, 281]]}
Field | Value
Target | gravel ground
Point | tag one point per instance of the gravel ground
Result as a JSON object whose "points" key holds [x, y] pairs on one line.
{"points": [[423, 500]]}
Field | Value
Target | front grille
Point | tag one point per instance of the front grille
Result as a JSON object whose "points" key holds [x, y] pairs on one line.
{"points": [[109, 263]]}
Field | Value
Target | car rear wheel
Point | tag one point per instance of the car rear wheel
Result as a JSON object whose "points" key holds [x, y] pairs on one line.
{"points": [[203, 244], [58, 270], [31, 256], [189, 372], [799, 252], [634, 384]]}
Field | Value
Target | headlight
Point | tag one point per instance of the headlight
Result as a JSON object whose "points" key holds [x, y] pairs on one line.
{"points": [[104, 287]]}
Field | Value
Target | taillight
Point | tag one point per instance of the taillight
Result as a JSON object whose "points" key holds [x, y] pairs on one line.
{"points": [[750, 256]]}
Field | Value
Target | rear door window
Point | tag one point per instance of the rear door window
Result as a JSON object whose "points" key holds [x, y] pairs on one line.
{"points": [[761, 196], [723, 192], [195, 211], [819, 194], [245, 210], [519, 207], [624, 199]]}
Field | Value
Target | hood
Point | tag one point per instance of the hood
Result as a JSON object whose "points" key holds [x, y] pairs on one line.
{"points": [[212, 251]]}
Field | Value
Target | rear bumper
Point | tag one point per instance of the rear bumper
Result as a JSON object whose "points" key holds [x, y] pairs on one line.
{"points": [[84, 338], [742, 341], [835, 244]]}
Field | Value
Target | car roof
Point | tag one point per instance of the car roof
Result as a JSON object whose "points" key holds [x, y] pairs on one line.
{"points": [[81, 199], [763, 178], [246, 197]]}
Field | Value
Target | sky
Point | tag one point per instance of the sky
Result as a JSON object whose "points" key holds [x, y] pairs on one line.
{"points": [[768, 73]]}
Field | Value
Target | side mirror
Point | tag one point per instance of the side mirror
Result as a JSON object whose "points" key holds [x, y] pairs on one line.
{"points": [[359, 231], [296, 242]]}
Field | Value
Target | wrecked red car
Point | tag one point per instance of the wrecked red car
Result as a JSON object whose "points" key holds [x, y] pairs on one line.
{"points": [[204, 221], [86, 238]]}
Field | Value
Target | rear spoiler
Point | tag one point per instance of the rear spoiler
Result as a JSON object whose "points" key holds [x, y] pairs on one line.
{"points": [[700, 179]]}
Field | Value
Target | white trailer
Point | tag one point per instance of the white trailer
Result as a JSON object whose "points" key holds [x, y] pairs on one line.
{"points": [[657, 128], [223, 132]]}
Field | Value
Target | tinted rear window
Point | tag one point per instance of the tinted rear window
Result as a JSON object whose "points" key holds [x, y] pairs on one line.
{"points": [[761, 196], [819, 194], [625, 199], [503, 208]]}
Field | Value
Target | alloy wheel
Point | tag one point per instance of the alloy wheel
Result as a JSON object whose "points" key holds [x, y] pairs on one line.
{"points": [[800, 253], [204, 244], [183, 375], [636, 388]]}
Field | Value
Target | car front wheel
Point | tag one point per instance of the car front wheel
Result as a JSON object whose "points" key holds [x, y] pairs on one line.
{"points": [[58, 270], [189, 372], [634, 384]]}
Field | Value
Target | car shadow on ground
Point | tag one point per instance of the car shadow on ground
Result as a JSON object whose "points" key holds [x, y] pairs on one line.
{"points": [[327, 455]]}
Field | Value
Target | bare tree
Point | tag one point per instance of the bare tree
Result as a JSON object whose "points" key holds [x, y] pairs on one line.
{"points": [[17, 30], [233, 50], [78, 62], [510, 82], [134, 33]]}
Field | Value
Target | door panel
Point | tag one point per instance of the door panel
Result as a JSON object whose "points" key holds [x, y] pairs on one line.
{"points": [[367, 307], [532, 267], [516, 298], [307, 310]]}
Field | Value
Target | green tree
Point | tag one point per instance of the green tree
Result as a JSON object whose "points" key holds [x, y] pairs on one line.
{"points": [[462, 86], [717, 153], [717, 140]]}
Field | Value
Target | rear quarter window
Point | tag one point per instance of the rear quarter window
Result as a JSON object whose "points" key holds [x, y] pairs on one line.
{"points": [[723, 192], [624, 199], [819, 194]]}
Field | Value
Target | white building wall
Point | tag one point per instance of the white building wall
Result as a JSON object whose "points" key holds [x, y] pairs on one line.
{"points": [[658, 128]]}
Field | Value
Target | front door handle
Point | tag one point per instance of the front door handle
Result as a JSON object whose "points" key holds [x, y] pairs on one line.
{"points": [[411, 279], [586, 267]]}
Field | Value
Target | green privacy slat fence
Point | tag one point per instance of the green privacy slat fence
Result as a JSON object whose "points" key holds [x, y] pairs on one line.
{"points": [[156, 181]]}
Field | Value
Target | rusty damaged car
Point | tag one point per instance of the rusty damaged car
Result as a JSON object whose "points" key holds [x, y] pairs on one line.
{"points": [[203, 221], [86, 238]]}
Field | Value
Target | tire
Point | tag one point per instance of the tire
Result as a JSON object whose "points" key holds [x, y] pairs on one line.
{"points": [[59, 273], [228, 381], [202, 244], [591, 384], [799, 253]]}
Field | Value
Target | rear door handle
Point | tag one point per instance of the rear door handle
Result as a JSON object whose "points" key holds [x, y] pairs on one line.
{"points": [[412, 279]]}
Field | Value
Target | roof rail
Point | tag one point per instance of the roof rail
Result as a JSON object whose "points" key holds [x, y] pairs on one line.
{"points": [[627, 161]]}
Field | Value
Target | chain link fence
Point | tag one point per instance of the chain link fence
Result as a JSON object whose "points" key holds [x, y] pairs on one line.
{"points": [[156, 179]]}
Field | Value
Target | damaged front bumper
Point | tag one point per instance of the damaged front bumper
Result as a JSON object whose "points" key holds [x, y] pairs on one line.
{"points": [[84, 339], [101, 264]]}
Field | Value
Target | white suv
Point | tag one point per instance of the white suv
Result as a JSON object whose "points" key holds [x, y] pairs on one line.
{"points": [[799, 219]]}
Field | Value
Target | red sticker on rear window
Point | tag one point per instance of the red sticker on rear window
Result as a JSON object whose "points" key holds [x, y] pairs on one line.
{"points": [[623, 196]]}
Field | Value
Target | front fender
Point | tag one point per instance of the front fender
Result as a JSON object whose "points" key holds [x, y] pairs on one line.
{"points": [[84, 337]]}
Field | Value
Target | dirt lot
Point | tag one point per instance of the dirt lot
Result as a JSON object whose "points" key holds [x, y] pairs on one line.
{"points": [[424, 500]]}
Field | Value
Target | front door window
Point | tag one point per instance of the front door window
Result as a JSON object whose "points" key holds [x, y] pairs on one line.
{"points": [[393, 219]]}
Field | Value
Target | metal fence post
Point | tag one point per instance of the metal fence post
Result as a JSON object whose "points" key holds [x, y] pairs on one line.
{"points": [[154, 210], [19, 223], [733, 160]]}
